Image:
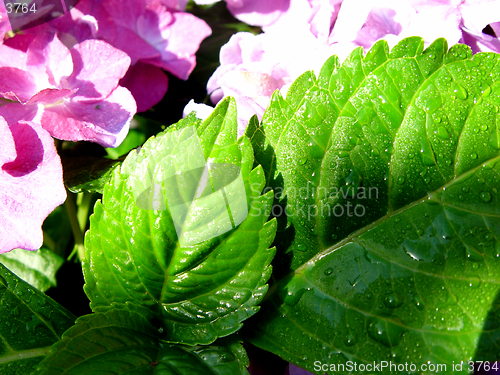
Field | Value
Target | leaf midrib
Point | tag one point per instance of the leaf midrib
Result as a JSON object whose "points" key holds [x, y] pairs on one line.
{"points": [[388, 216]]}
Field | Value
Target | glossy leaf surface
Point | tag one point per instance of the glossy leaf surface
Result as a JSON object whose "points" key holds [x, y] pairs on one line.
{"points": [[31, 322], [389, 170], [125, 342], [37, 268], [203, 290]]}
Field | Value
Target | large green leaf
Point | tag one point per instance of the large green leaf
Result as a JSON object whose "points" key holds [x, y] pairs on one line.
{"points": [[389, 170], [125, 342], [207, 287], [30, 323], [37, 268]]}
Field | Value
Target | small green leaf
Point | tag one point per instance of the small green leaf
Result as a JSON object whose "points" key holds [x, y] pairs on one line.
{"points": [[31, 322], [226, 356], [389, 168], [37, 268], [201, 274], [134, 138], [89, 174], [125, 342]]}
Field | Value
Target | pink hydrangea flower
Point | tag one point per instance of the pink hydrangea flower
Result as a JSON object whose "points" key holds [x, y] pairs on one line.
{"points": [[310, 31], [74, 94], [156, 34], [254, 66], [458, 21], [150, 32], [31, 184], [254, 12]]}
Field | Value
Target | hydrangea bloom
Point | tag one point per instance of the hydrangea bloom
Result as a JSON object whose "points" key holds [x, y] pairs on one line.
{"points": [[151, 32], [71, 93], [254, 66], [365, 22], [308, 32], [31, 184]]}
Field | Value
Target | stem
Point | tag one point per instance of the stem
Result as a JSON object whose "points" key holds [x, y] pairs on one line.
{"points": [[75, 225], [49, 242]]}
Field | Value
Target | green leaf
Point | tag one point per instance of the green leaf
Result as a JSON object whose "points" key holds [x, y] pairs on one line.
{"points": [[88, 174], [125, 342], [207, 286], [31, 322], [389, 167], [37, 268], [57, 232]]}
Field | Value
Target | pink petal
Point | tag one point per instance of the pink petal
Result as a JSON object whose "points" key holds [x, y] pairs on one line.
{"points": [[258, 12], [15, 112], [477, 14], [50, 96], [134, 45], [31, 185], [12, 57], [20, 42], [4, 21], [202, 111], [47, 56], [8, 147], [98, 67], [105, 122], [246, 108], [16, 84], [177, 38], [294, 370], [480, 42], [179, 5], [148, 84]]}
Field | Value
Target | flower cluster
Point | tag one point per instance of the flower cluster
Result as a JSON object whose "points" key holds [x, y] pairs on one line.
{"points": [[81, 76], [300, 35]]}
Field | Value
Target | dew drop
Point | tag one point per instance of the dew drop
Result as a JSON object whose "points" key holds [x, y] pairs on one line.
{"points": [[401, 180], [384, 332], [474, 282], [350, 340], [494, 140], [328, 271], [302, 161], [393, 301], [418, 302], [459, 91], [442, 133], [473, 156], [485, 196]]}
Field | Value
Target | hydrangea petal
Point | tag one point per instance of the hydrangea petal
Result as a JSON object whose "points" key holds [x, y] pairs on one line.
{"points": [[16, 84], [15, 112], [258, 12], [148, 84], [49, 57], [31, 185], [105, 122], [177, 38], [50, 96], [98, 67]]}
